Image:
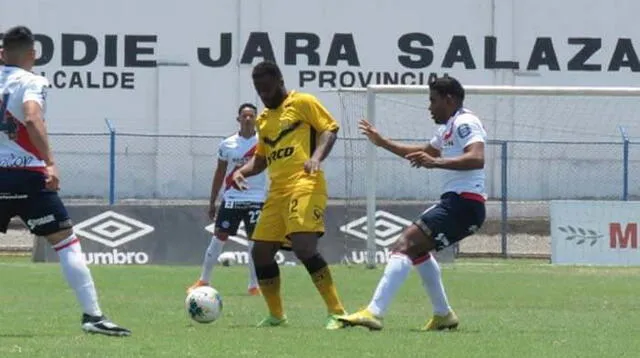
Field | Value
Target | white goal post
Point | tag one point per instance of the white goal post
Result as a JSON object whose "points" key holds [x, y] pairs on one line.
{"points": [[527, 114]]}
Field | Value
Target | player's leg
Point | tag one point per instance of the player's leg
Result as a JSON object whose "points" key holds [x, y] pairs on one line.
{"points": [[45, 215], [227, 223], [268, 237], [444, 228], [439, 226], [305, 226], [408, 249], [250, 220]]}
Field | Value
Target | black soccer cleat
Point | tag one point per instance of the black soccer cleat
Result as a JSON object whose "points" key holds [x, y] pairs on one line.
{"points": [[102, 325]]}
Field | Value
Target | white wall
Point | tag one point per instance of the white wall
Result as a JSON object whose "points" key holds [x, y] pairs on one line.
{"points": [[177, 93]]}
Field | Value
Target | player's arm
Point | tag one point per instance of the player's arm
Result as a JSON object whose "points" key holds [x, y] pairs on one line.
{"points": [[396, 148], [470, 135], [36, 129], [218, 180], [472, 158], [326, 141], [256, 165], [319, 118]]}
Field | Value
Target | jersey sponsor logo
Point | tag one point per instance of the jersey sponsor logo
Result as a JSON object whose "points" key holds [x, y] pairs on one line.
{"points": [[16, 161], [113, 230], [279, 154], [33, 223], [464, 130]]}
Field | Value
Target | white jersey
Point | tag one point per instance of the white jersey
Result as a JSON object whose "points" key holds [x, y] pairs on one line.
{"points": [[18, 86], [236, 151], [461, 130]]}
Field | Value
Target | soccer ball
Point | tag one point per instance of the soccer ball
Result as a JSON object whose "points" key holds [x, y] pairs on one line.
{"points": [[227, 258], [204, 304]]}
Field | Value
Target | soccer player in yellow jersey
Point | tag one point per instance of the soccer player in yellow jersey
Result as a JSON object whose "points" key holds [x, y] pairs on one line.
{"points": [[295, 134]]}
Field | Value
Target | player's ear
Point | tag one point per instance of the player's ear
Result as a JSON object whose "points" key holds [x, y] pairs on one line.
{"points": [[32, 54]]}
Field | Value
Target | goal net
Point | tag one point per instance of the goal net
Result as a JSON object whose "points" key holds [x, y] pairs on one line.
{"points": [[544, 143]]}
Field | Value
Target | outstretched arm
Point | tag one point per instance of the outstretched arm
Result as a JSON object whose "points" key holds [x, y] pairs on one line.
{"points": [[399, 149]]}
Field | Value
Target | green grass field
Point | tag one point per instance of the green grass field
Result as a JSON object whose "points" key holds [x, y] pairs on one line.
{"points": [[508, 309]]}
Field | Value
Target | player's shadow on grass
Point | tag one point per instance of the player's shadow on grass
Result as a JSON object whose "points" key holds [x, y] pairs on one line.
{"points": [[447, 331]]}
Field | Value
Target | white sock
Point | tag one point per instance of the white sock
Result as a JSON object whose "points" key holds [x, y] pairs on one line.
{"points": [[77, 274], [432, 281], [395, 273], [253, 279], [211, 257]]}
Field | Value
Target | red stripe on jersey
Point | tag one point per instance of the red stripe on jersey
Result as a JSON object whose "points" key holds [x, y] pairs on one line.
{"points": [[228, 180], [23, 140], [473, 196], [22, 136]]}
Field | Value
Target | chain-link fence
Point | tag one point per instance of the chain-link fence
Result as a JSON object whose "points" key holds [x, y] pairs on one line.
{"points": [[522, 176], [181, 167]]}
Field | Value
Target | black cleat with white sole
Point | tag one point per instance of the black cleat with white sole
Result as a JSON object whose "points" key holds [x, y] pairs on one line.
{"points": [[102, 325]]}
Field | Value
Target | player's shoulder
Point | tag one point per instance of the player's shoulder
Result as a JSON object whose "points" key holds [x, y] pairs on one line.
{"points": [[229, 140], [24, 78], [300, 98], [466, 117], [262, 115], [31, 79]]}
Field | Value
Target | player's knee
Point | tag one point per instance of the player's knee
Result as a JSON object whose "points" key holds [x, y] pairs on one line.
{"points": [[413, 242], [304, 250], [304, 245], [401, 245], [263, 253], [304, 253]]}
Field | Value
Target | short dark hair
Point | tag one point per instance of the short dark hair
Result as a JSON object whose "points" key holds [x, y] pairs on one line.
{"points": [[447, 86], [18, 38], [267, 68], [247, 105]]}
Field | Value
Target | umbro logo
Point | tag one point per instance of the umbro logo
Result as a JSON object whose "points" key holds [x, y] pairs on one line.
{"points": [[112, 229], [388, 228]]}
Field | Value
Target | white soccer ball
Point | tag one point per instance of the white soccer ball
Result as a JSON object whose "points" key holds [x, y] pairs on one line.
{"points": [[204, 304], [227, 258]]}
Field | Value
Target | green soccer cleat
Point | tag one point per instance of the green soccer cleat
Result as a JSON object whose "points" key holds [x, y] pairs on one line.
{"points": [[273, 322], [333, 322]]}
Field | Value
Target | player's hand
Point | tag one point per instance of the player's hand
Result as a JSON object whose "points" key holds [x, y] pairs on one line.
{"points": [[311, 166], [370, 131], [422, 159], [52, 180], [239, 181], [212, 210]]}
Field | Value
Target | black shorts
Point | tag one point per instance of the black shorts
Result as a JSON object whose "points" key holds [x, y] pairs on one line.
{"points": [[22, 194], [452, 219], [231, 214]]}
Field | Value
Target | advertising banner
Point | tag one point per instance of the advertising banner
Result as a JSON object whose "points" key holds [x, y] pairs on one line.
{"points": [[595, 232]]}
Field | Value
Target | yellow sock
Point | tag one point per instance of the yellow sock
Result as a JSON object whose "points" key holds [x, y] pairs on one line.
{"points": [[324, 283], [271, 292]]}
